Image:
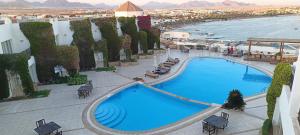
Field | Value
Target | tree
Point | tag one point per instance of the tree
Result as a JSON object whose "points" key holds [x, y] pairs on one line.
{"points": [[282, 76], [143, 41]]}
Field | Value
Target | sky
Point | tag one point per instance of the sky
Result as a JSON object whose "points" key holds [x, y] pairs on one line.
{"points": [[141, 2]]}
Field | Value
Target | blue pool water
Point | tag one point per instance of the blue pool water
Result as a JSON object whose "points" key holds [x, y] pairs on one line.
{"points": [[211, 79], [138, 108]]}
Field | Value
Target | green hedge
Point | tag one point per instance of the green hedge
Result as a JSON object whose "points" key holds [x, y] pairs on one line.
{"points": [[17, 63], [83, 39], [143, 41], [282, 76], [68, 57], [42, 46], [128, 26], [108, 30], [267, 126], [77, 79]]}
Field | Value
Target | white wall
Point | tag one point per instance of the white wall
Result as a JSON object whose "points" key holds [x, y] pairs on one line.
{"points": [[96, 32], [62, 32], [11, 31], [129, 14]]}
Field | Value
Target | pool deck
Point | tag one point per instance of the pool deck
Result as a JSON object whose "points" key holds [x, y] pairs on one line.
{"points": [[63, 106]]}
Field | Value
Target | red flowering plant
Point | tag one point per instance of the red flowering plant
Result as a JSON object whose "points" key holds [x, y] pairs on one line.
{"points": [[144, 22]]}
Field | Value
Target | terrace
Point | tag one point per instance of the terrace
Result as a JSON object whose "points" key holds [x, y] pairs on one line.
{"points": [[64, 107]]}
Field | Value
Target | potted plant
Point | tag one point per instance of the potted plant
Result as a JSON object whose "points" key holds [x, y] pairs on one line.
{"points": [[235, 101]]}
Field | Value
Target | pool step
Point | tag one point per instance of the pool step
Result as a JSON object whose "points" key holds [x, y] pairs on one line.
{"points": [[110, 115], [119, 119]]}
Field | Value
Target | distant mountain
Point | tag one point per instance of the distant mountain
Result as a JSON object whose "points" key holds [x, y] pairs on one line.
{"points": [[48, 3], [235, 3], [17, 3], [193, 4], [158, 5], [103, 6], [63, 4], [149, 5]]}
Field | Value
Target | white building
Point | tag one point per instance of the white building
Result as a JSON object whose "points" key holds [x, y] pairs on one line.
{"points": [[62, 32], [176, 35], [286, 114], [12, 40], [128, 9]]}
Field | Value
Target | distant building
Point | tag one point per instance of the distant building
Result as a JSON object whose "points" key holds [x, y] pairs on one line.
{"points": [[176, 35], [128, 9]]}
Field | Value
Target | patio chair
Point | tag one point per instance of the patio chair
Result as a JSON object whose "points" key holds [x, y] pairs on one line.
{"points": [[208, 128], [225, 116], [58, 133], [40, 123], [150, 74]]}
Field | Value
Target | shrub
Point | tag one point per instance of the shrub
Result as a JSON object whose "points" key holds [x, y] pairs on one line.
{"points": [[143, 41], [108, 30], [235, 100], [68, 57], [267, 126], [100, 69], [40, 94], [84, 40], [282, 76], [42, 46], [128, 26], [77, 79]]}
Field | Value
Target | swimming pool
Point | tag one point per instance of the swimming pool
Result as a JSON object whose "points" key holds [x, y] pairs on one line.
{"points": [[140, 108], [211, 79]]}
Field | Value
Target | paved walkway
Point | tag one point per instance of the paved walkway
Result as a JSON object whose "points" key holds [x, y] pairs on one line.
{"points": [[63, 106]]}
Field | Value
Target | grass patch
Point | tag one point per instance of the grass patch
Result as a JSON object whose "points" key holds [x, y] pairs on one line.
{"points": [[40, 94], [77, 79], [100, 69]]}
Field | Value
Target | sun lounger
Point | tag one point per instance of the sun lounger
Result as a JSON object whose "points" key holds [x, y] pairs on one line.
{"points": [[164, 67], [161, 71], [176, 60], [150, 74]]}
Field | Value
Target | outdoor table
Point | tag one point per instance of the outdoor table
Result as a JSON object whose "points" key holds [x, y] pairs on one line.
{"points": [[47, 128], [216, 121]]}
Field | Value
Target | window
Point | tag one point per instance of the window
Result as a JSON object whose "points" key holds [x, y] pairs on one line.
{"points": [[6, 47]]}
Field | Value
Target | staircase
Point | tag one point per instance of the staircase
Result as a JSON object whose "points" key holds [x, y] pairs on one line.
{"points": [[110, 115]]}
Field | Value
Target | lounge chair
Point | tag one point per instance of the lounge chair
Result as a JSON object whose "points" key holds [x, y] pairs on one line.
{"points": [[150, 74], [161, 71], [176, 60], [164, 67], [169, 62], [40, 123], [208, 128]]}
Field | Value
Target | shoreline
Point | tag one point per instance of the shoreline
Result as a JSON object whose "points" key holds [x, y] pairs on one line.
{"points": [[177, 26]]}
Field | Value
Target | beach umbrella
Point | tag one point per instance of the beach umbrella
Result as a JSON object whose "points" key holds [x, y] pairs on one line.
{"points": [[169, 52], [155, 61]]}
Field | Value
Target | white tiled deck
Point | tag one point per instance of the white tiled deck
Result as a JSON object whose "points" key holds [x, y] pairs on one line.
{"points": [[63, 106]]}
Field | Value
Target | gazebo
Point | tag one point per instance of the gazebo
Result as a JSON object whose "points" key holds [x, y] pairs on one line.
{"points": [[282, 42]]}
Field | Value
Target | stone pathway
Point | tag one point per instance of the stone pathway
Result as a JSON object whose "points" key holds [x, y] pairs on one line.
{"points": [[63, 106]]}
